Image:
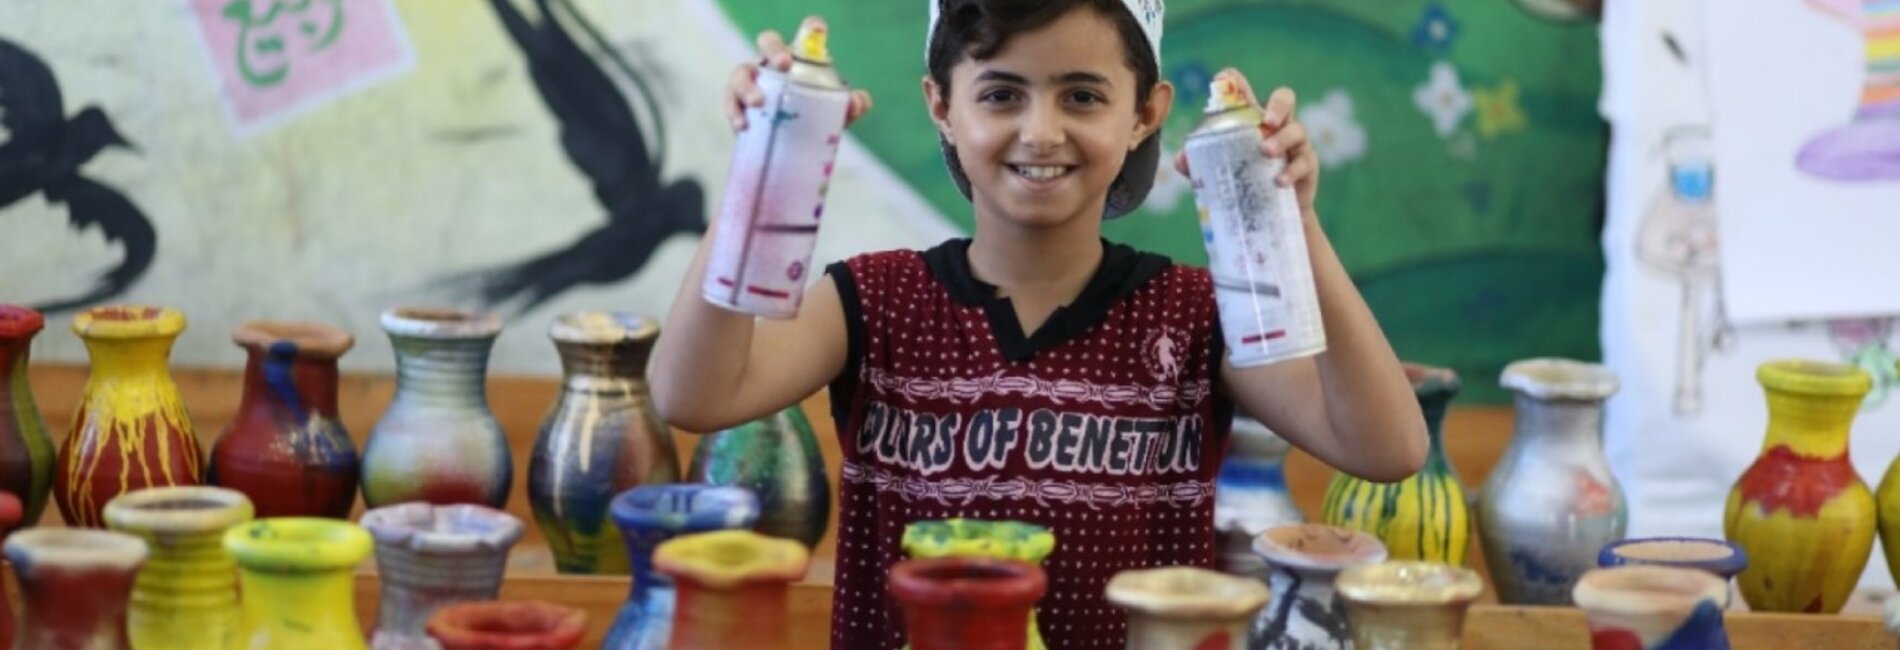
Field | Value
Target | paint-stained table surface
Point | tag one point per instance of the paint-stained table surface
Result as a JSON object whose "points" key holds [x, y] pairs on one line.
{"points": [[1475, 438]]}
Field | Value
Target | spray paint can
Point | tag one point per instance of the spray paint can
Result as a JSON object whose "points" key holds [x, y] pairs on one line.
{"points": [[1256, 241], [775, 194]]}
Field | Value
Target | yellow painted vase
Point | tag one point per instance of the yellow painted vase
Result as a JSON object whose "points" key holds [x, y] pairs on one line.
{"points": [[1005, 540], [298, 580], [1424, 517], [1888, 499], [130, 430], [1800, 512], [186, 595]]}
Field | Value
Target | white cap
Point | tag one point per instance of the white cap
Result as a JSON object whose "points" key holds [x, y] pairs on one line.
{"points": [[1146, 12]]}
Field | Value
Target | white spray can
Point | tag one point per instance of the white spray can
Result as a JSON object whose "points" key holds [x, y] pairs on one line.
{"points": [[775, 193], [1256, 241]]}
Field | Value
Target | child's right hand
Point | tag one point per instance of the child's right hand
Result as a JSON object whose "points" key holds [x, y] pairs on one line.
{"points": [[743, 91]]}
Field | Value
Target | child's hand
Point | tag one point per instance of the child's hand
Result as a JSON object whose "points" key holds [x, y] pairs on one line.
{"points": [[742, 90], [1282, 134]]}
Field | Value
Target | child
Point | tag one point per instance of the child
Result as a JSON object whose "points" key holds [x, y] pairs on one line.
{"points": [[1037, 372]]}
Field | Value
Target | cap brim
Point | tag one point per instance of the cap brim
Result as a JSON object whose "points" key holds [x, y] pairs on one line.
{"points": [[1125, 195]]}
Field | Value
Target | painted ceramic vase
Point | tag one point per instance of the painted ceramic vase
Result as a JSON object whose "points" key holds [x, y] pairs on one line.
{"points": [[430, 556], [286, 448], [1004, 540], [1305, 559], [732, 586], [26, 453], [1408, 605], [11, 513], [1551, 503], [186, 596], [963, 603], [1800, 512], [438, 442], [1423, 517], [649, 516], [1653, 608], [75, 584], [1887, 500], [1186, 608], [131, 430], [1250, 495], [777, 459], [513, 625], [1722, 558], [297, 576], [602, 437]]}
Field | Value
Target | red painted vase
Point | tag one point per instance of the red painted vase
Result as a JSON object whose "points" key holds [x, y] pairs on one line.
{"points": [[967, 603], [26, 453], [131, 431], [10, 517], [76, 584], [731, 588], [287, 449], [498, 625]]}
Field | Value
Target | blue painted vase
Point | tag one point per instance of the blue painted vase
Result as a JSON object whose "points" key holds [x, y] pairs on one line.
{"points": [[649, 516]]}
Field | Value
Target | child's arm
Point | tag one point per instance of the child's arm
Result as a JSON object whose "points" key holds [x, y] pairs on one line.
{"points": [[1350, 406], [714, 368]]}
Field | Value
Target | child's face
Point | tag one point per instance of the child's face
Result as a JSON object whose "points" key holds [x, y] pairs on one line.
{"points": [[1043, 127]]}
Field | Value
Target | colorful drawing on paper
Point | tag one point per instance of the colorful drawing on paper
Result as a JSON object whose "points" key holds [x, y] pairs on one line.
{"points": [[1866, 343], [1867, 147], [273, 58], [41, 152], [619, 155]]}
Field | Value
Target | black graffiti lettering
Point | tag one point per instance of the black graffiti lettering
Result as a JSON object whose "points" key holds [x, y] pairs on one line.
{"points": [[1066, 439], [1166, 447], [1147, 433], [978, 439], [1009, 428], [1189, 458], [1042, 434], [1119, 446], [923, 433], [874, 413], [945, 447], [1095, 442]]}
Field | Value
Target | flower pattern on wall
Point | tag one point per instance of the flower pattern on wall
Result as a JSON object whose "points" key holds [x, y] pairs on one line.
{"points": [[1443, 98]]}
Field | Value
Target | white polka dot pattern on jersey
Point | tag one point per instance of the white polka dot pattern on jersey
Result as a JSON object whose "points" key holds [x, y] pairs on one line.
{"points": [[1151, 359]]}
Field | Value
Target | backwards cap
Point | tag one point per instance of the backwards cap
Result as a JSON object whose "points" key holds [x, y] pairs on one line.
{"points": [[1138, 171]]}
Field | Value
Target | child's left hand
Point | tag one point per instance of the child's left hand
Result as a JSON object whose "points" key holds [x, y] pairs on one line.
{"points": [[1282, 134]]}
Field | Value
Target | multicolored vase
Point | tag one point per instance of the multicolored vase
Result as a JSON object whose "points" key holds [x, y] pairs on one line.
{"points": [[11, 513], [1800, 512], [75, 584], [131, 430], [957, 603], [1003, 540], [1724, 559], [1423, 517], [438, 442], [513, 625], [602, 437], [26, 453], [430, 556], [298, 580], [732, 586], [1250, 495], [1653, 608], [649, 516], [1551, 503], [1186, 608], [286, 448], [1306, 614], [1408, 605], [186, 596], [777, 459]]}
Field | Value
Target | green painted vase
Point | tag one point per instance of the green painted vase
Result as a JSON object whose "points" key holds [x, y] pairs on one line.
{"points": [[1424, 517]]}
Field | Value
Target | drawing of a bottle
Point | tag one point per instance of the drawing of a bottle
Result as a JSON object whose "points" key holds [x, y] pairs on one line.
{"points": [[1678, 239]]}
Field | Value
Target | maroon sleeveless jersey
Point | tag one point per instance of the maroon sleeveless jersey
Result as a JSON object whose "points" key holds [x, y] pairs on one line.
{"points": [[1102, 425]]}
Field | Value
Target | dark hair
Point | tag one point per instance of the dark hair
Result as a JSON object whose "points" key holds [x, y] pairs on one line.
{"points": [[979, 28]]}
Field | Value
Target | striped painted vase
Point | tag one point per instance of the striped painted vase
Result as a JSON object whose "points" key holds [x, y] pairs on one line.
{"points": [[1424, 517]]}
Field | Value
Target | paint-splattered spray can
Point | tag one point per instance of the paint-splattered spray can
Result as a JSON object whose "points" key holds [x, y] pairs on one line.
{"points": [[1256, 242], [775, 195]]}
